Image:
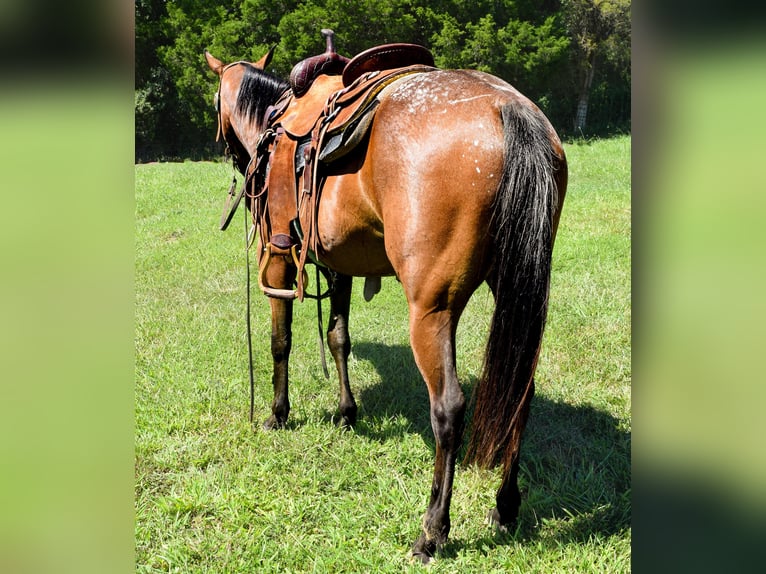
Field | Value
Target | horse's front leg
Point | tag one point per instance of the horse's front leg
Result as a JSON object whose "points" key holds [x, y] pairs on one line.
{"points": [[339, 343], [281, 275]]}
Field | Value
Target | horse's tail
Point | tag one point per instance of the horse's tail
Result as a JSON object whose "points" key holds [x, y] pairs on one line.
{"points": [[523, 240]]}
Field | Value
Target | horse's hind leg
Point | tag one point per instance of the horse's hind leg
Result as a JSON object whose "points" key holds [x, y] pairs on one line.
{"points": [[340, 345], [432, 335], [280, 275]]}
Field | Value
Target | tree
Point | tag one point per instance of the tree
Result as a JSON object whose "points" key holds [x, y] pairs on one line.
{"points": [[153, 91], [600, 31], [566, 55]]}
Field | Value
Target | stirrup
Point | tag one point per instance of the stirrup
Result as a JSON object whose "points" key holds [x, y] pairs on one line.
{"points": [[264, 265]]}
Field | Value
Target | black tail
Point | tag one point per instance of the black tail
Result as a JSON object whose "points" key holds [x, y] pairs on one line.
{"points": [[523, 234]]}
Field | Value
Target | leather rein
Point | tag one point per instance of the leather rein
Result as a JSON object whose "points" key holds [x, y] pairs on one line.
{"points": [[232, 201]]}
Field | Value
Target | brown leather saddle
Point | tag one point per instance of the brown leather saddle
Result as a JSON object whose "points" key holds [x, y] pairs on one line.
{"points": [[326, 115]]}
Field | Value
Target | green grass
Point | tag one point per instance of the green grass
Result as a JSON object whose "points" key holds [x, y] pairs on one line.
{"points": [[213, 495]]}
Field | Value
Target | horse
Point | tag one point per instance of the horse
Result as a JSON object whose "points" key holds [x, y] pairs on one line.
{"points": [[460, 180]]}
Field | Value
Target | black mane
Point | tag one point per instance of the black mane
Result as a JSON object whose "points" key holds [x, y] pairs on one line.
{"points": [[257, 92]]}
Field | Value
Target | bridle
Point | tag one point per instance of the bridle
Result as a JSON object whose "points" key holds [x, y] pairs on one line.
{"points": [[228, 151], [232, 203]]}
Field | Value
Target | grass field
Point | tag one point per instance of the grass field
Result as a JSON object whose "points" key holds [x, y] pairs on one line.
{"points": [[213, 495]]}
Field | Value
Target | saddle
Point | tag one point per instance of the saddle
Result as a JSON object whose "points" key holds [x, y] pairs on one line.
{"points": [[315, 125]]}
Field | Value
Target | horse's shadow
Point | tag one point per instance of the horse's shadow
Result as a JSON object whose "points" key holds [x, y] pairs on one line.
{"points": [[575, 461]]}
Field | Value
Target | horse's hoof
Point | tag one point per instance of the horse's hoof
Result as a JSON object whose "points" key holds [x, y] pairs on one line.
{"points": [[273, 423], [494, 521], [424, 550], [346, 422], [343, 423], [421, 558]]}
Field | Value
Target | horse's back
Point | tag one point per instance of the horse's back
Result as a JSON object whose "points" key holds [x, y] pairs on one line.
{"points": [[443, 130]]}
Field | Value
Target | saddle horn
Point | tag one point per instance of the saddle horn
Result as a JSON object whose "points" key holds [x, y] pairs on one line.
{"points": [[329, 36]]}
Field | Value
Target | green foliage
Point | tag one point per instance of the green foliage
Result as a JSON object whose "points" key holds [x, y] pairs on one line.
{"points": [[600, 33], [542, 48]]}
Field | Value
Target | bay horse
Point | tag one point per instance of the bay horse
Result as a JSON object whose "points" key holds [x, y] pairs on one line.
{"points": [[461, 180]]}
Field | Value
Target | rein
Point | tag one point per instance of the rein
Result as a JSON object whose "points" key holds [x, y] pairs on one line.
{"points": [[256, 179], [247, 320]]}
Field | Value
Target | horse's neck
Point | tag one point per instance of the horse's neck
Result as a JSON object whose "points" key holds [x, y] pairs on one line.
{"points": [[248, 133]]}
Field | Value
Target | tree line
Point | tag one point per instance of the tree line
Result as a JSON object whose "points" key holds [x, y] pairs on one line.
{"points": [[572, 57]]}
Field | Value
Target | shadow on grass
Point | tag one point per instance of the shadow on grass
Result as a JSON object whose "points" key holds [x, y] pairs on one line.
{"points": [[400, 396], [575, 460]]}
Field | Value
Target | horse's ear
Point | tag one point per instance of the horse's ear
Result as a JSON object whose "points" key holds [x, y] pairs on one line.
{"points": [[263, 62], [215, 64]]}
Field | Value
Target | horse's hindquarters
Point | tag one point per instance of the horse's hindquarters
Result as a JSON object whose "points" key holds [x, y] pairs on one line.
{"points": [[436, 156], [417, 197]]}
